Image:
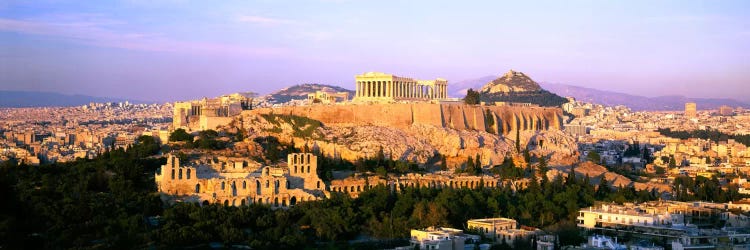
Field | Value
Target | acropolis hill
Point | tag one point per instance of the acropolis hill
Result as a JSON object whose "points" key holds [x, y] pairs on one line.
{"points": [[388, 117], [408, 119]]}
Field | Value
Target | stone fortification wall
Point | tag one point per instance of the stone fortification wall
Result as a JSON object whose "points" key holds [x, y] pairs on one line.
{"points": [[403, 115]]}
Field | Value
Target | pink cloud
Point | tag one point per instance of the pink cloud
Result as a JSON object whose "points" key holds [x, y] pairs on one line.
{"points": [[97, 33]]}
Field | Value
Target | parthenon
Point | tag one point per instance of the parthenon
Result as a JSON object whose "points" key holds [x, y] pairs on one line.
{"points": [[376, 86]]}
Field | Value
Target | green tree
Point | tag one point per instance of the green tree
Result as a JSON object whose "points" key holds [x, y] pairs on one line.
{"points": [[542, 165], [489, 121], [472, 97], [180, 135], [603, 191], [672, 162], [594, 157], [527, 156], [518, 140], [470, 165], [443, 163], [477, 165]]}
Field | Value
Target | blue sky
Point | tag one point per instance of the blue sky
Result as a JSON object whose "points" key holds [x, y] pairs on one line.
{"points": [[174, 49]]}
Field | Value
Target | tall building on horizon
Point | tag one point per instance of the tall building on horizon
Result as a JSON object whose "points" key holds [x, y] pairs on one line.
{"points": [[690, 109], [726, 110]]}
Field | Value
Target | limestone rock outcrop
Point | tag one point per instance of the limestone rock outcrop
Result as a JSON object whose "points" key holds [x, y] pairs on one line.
{"points": [[501, 119], [517, 87], [417, 142], [512, 81]]}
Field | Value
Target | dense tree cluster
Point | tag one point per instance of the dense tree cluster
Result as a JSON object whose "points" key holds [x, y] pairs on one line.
{"points": [[542, 98], [207, 139], [708, 134], [303, 127], [508, 170], [472, 97], [594, 157], [382, 166], [633, 150], [111, 202], [89, 203], [273, 149], [473, 166], [687, 188], [180, 135]]}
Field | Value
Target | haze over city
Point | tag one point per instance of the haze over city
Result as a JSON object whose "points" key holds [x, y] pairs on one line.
{"points": [[177, 50], [399, 125]]}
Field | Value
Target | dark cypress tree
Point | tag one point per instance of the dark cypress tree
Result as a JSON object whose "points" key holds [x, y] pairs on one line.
{"points": [[443, 163], [477, 166], [472, 97], [469, 165]]}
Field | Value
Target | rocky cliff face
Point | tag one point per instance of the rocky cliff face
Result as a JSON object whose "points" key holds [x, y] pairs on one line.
{"points": [[500, 119], [512, 81], [422, 143]]}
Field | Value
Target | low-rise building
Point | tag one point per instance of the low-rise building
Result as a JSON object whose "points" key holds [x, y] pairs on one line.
{"points": [[501, 229], [684, 225], [438, 238]]}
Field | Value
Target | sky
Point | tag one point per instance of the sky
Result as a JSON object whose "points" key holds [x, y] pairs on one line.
{"points": [[177, 50]]}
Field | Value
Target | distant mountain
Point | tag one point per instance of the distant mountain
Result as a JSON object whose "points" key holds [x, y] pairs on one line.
{"points": [[299, 92], [516, 86], [458, 89], [23, 99], [638, 103]]}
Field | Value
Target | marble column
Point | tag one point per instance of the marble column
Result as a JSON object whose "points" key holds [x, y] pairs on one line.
{"points": [[390, 89]]}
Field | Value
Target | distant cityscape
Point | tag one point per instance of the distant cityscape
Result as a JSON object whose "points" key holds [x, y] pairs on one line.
{"points": [[363, 125], [239, 150]]}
